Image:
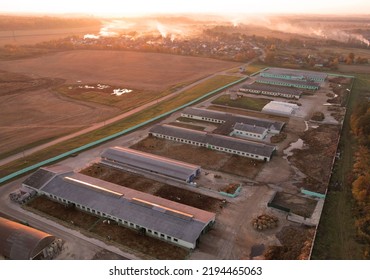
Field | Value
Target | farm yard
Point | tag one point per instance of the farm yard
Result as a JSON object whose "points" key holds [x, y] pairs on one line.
{"points": [[237, 189]]}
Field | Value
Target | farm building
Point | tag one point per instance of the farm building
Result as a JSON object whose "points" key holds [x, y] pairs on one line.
{"points": [[291, 74], [289, 83], [216, 142], [249, 131], [273, 127], [154, 216], [269, 90], [129, 159], [20, 242], [280, 108]]}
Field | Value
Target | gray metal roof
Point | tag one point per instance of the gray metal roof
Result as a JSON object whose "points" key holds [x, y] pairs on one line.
{"points": [[162, 215], [234, 118], [43, 175], [270, 88], [20, 242], [215, 140], [292, 82], [249, 128], [161, 165], [293, 72]]}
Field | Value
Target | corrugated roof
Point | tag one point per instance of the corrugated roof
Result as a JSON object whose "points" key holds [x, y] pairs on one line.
{"points": [[280, 107], [215, 140], [234, 118], [292, 72], [249, 128], [292, 82], [20, 242], [43, 175], [157, 216], [161, 165], [269, 88]]}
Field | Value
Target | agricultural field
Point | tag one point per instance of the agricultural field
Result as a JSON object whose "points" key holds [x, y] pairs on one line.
{"points": [[52, 99]]}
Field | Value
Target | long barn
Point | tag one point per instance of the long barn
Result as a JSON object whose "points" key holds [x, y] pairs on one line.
{"points": [[226, 144], [129, 159], [273, 127], [154, 216]]}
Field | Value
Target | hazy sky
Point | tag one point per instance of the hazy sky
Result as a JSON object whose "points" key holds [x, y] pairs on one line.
{"points": [[139, 7]]}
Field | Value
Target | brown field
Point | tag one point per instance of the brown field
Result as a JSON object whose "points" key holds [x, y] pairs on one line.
{"points": [[31, 111], [150, 71], [27, 37]]}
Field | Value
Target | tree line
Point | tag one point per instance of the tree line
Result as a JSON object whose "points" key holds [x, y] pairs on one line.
{"points": [[360, 125]]}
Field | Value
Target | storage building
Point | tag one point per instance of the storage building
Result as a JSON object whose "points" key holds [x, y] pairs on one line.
{"points": [[280, 108], [129, 159], [20, 242]]}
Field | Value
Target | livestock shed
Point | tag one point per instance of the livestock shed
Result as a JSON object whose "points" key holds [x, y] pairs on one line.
{"points": [[292, 74], [289, 83], [273, 127], [20, 242], [154, 216], [129, 159], [227, 144], [280, 108], [278, 91]]}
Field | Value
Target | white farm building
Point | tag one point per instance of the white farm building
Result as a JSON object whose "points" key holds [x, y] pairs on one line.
{"points": [[154, 216], [133, 160], [249, 131], [280, 108]]}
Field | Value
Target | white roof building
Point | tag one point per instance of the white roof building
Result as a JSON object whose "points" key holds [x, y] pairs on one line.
{"points": [[280, 108]]}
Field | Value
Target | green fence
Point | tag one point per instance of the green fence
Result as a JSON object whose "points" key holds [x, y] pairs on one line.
{"points": [[110, 137], [313, 194], [233, 195]]}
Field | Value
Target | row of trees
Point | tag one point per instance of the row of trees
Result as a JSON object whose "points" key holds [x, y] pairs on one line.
{"points": [[360, 124]]}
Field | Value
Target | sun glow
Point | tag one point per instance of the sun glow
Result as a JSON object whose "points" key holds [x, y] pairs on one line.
{"points": [[144, 7]]}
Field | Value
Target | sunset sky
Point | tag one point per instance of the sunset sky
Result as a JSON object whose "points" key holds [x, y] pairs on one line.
{"points": [[142, 7]]}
